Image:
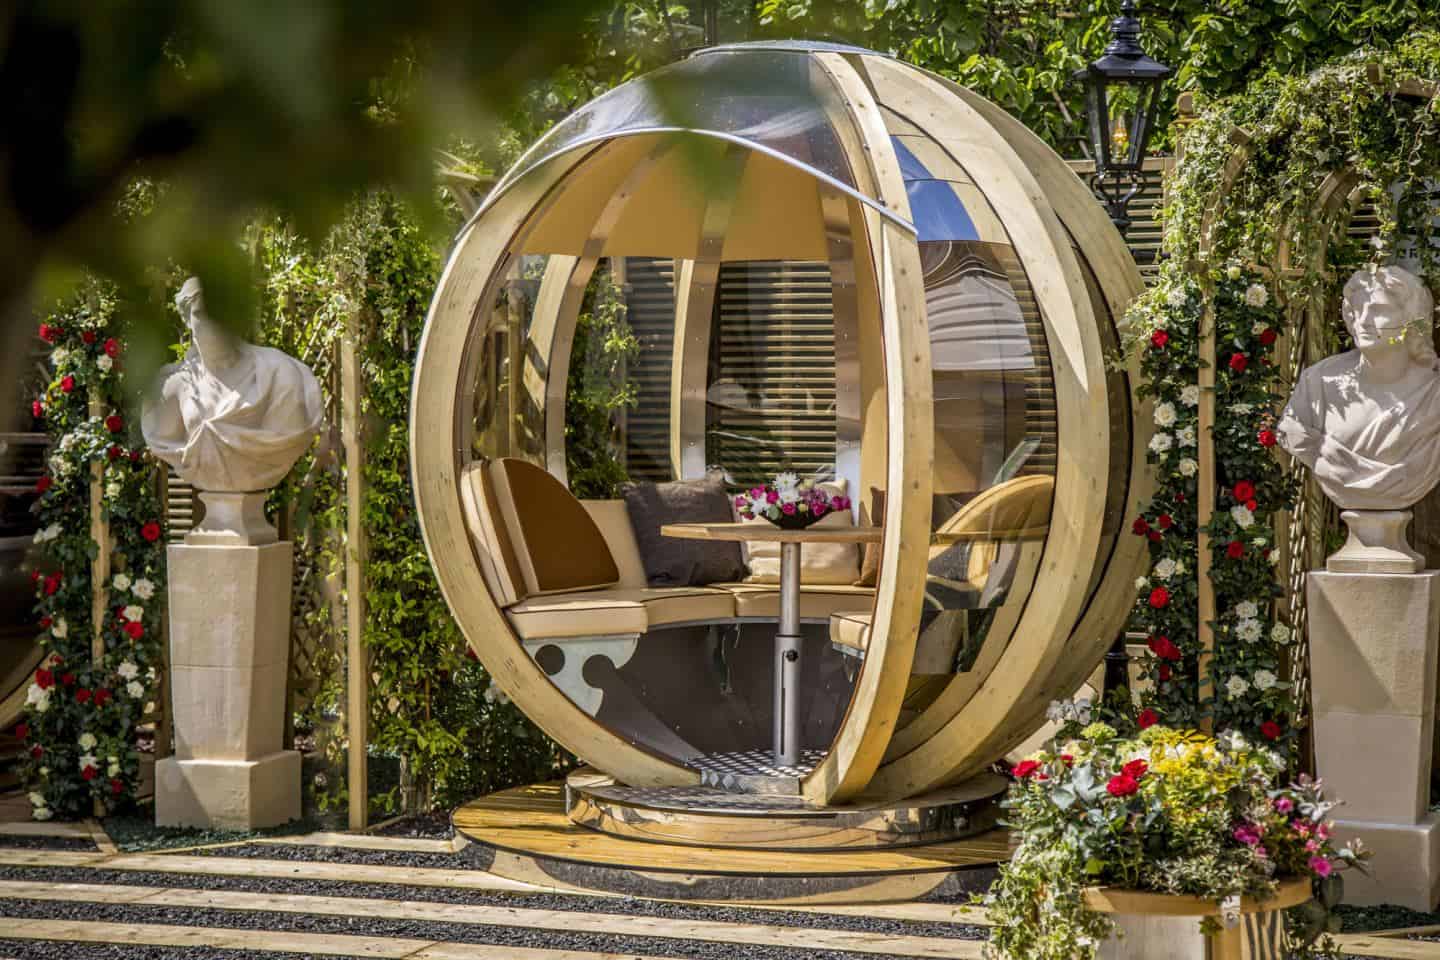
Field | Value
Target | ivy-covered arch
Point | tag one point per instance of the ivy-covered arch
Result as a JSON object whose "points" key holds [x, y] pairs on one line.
{"points": [[1280, 193]]}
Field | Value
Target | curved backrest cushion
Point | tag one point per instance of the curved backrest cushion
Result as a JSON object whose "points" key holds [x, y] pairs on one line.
{"points": [[482, 515], [613, 519], [557, 545]]}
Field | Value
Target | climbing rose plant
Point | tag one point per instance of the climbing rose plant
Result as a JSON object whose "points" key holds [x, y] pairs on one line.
{"points": [[81, 713]]}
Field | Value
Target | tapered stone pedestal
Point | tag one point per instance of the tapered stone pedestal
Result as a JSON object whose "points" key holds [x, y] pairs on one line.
{"points": [[229, 652], [1374, 653]]}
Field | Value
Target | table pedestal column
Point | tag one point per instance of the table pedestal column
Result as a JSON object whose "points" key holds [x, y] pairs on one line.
{"points": [[787, 659]]}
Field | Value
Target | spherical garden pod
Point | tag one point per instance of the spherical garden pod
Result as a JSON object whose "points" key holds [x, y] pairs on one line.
{"points": [[837, 264]]}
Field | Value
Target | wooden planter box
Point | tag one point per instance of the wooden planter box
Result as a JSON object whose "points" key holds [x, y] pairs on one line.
{"points": [[1158, 926]]}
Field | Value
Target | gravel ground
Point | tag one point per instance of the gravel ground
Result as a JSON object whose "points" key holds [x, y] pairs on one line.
{"points": [[49, 950], [369, 858], [419, 930], [49, 843], [541, 901], [431, 826]]}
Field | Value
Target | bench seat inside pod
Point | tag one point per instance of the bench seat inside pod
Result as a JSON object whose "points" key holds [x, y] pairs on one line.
{"points": [[837, 265]]}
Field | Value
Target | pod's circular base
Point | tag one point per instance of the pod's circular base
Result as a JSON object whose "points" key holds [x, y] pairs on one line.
{"points": [[524, 834]]}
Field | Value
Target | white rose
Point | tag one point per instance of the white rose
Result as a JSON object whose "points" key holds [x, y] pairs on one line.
{"points": [[144, 589], [113, 770], [36, 799], [113, 489], [1242, 409], [1141, 583], [1249, 630], [1160, 443], [1177, 297], [1256, 295], [42, 813], [1233, 271], [87, 741], [1237, 686], [1246, 610], [1280, 633], [1259, 327], [1190, 396], [135, 689], [127, 670], [60, 628], [1242, 516], [37, 698], [493, 693], [87, 760], [1186, 436], [1264, 680], [59, 355], [121, 582], [1188, 467], [1165, 415], [134, 613], [104, 363], [1165, 569]]}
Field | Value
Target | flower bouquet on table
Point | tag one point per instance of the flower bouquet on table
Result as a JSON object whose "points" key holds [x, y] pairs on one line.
{"points": [[789, 502], [1171, 824]]}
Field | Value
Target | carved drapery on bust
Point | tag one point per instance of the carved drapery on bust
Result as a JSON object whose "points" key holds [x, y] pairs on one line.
{"points": [[1367, 421], [231, 417]]}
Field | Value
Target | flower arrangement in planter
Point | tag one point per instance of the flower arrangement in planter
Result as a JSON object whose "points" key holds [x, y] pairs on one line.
{"points": [[789, 502], [1205, 822]]}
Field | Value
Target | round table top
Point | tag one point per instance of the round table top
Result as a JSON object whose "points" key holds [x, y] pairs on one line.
{"points": [[769, 533]]}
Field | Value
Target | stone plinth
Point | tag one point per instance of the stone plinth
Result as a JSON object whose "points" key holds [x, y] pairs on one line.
{"points": [[229, 651], [1374, 654]]}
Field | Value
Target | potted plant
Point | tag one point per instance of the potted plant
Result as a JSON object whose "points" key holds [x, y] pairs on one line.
{"points": [[789, 502], [1168, 844]]}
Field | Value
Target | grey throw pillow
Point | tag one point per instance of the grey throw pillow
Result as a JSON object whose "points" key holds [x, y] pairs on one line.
{"points": [[673, 562]]}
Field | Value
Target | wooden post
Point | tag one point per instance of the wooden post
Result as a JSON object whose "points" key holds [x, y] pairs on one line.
{"points": [[100, 567], [357, 672]]}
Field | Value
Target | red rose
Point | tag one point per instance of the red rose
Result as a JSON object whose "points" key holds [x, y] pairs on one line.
{"points": [[113, 452], [1266, 438], [44, 679], [67, 678], [67, 383], [37, 751], [1252, 505], [1234, 549], [89, 773], [1164, 672], [1140, 528], [43, 484], [114, 423], [45, 623], [1163, 648], [1121, 786], [1238, 362], [1158, 339], [1159, 597], [1148, 718], [1025, 768], [89, 336], [82, 695], [1268, 336], [37, 409], [22, 731], [134, 456], [34, 577], [117, 787], [1155, 536], [134, 630], [151, 531], [102, 697], [112, 347], [1165, 521], [1244, 490], [1136, 769], [1270, 730], [52, 584]]}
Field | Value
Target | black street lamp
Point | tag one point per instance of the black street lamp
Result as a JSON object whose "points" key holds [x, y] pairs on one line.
{"points": [[1122, 94]]}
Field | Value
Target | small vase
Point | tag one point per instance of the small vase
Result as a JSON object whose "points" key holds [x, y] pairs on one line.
{"points": [[794, 521]]}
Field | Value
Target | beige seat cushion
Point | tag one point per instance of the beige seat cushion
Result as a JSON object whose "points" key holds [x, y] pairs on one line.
{"points": [[558, 546], [851, 631], [613, 519], [487, 529], [616, 611], [817, 602]]}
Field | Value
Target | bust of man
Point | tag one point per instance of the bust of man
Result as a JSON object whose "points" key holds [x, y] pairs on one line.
{"points": [[1367, 421], [231, 417]]}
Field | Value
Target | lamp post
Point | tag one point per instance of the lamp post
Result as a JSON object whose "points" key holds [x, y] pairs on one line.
{"points": [[1122, 94]]}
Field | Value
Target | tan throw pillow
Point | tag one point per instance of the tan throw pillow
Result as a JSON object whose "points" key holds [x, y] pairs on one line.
{"points": [[870, 561], [557, 545]]}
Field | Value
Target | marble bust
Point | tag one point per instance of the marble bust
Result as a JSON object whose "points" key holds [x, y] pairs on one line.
{"points": [[231, 417], [1367, 421]]}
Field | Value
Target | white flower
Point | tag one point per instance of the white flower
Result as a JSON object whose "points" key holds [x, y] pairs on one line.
{"points": [[1242, 409], [59, 355], [36, 799], [1055, 712], [1186, 435], [127, 670], [1237, 686], [1256, 295], [1160, 443], [786, 482], [104, 363], [37, 698], [493, 693], [1247, 610], [1188, 467], [42, 813], [1165, 569], [113, 490], [1242, 516], [121, 582], [144, 589], [1259, 327], [87, 741], [1165, 415], [1249, 630], [1177, 297], [135, 689], [113, 770], [49, 533], [1141, 583], [1264, 680], [1190, 395], [60, 628], [87, 760], [1233, 271], [1180, 567], [134, 613], [1280, 634]]}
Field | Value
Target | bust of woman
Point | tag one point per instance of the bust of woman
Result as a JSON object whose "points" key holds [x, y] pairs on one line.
{"points": [[231, 417], [1367, 421]]}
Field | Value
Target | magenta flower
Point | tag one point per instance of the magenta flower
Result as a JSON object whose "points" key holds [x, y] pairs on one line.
{"points": [[1321, 867], [820, 508], [787, 508], [1248, 834], [1284, 805], [772, 496]]}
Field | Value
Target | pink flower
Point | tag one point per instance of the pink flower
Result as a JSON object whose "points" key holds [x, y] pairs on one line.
{"points": [[1248, 834], [772, 496], [819, 508], [739, 501], [756, 493], [1323, 831], [787, 508], [1312, 846], [1261, 852], [1284, 805], [1321, 867]]}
